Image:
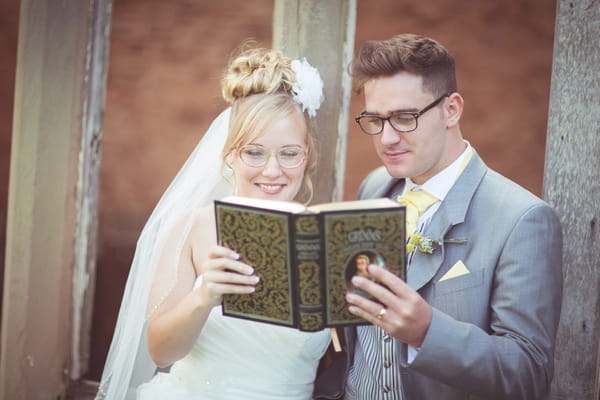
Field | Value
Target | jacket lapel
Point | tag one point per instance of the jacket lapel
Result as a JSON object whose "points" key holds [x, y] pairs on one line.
{"points": [[451, 212]]}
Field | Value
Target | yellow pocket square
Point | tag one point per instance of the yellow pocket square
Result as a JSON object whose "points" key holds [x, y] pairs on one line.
{"points": [[457, 269]]}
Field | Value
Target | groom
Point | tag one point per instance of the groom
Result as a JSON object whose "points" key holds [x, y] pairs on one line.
{"points": [[477, 317]]}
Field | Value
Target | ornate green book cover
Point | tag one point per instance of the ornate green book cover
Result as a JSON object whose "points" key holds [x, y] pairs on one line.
{"points": [[305, 257], [373, 236]]}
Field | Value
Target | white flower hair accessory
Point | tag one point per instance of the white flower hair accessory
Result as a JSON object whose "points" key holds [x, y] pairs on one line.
{"points": [[308, 88]]}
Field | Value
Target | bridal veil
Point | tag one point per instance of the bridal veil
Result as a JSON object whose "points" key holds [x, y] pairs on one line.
{"points": [[198, 183]]}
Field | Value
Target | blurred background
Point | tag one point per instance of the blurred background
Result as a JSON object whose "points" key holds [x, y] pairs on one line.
{"points": [[166, 59]]}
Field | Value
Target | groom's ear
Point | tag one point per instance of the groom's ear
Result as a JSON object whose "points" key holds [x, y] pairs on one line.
{"points": [[453, 109]]}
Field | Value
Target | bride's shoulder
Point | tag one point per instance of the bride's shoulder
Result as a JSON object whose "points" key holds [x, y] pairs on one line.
{"points": [[204, 213], [203, 218]]}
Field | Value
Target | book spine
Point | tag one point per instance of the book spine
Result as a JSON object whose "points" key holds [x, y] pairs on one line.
{"points": [[308, 259]]}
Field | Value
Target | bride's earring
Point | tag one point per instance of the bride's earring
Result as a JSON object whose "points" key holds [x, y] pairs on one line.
{"points": [[228, 172], [230, 176]]}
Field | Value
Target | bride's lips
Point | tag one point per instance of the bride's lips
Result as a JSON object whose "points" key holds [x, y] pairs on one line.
{"points": [[271, 188]]}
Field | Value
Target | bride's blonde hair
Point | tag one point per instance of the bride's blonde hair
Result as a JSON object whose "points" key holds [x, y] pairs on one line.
{"points": [[258, 86]]}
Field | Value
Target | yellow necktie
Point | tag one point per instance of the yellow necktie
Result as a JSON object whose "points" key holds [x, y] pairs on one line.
{"points": [[416, 203]]}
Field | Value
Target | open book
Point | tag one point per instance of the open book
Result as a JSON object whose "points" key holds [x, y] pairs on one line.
{"points": [[306, 256]]}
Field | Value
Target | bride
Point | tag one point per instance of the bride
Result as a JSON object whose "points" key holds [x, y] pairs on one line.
{"points": [[170, 317]]}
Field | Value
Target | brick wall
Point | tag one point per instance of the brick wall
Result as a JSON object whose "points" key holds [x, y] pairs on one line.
{"points": [[163, 90]]}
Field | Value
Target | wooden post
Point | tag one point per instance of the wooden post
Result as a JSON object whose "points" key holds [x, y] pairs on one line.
{"points": [[571, 177], [51, 221], [323, 33], [87, 189]]}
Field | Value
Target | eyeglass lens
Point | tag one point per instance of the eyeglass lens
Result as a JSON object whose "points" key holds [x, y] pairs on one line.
{"points": [[257, 156], [402, 122]]}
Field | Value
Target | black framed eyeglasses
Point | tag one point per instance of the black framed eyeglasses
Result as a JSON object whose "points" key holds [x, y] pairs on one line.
{"points": [[255, 155], [404, 121]]}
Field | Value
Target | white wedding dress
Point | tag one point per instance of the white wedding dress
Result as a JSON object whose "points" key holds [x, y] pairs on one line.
{"points": [[236, 359], [232, 358]]}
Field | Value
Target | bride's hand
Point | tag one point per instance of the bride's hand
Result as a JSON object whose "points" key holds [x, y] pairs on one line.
{"points": [[222, 273]]}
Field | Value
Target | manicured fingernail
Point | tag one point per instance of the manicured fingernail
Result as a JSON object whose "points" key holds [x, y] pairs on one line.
{"points": [[255, 279], [235, 255]]}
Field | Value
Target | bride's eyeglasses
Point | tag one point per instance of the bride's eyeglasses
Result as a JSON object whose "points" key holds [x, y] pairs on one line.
{"points": [[255, 155]]}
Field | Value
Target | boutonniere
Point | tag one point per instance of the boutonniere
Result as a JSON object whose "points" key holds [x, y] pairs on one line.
{"points": [[426, 244]]}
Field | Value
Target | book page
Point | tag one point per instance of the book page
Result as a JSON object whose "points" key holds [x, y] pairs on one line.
{"points": [[355, 205], [286, 206]]}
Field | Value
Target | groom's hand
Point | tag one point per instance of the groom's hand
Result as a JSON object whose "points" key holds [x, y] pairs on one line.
{"points": [[400, 311]]}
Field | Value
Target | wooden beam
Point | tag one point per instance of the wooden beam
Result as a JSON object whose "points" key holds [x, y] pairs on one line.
{"points": [[52, 198], [571, 184], [323, 33]]}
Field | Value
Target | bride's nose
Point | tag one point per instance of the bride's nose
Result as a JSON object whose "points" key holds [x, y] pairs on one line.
{"points": [[272, 167]]}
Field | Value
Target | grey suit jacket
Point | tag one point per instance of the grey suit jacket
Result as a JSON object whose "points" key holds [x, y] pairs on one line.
{"points": [[493, 330]]}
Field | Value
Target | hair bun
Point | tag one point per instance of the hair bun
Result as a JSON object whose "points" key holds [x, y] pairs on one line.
{"points": [[257, 71]]}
